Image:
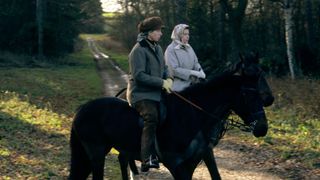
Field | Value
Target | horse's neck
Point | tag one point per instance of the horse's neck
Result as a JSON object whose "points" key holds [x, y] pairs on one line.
{"points": [[185, 121], [208, 108], [217, 102]]}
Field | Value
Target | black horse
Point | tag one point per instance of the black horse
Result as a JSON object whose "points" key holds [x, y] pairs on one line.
{"points": [[249, 61], [183, 137], [218, 131]]}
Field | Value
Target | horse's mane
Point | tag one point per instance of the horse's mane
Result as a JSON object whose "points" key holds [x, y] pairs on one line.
{"points": [[217, 81]]}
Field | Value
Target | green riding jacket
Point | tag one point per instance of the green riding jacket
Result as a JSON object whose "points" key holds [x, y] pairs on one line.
{"points": [[147, 71]]}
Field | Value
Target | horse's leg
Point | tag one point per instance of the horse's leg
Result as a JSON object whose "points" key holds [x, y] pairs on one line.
{"points": [[133, 167], [211, 164], [123, 161], [181, 172], [97, 153], [80, 163]]}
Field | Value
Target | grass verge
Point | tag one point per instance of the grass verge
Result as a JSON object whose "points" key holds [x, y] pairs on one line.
{"points": [[36, 110]]}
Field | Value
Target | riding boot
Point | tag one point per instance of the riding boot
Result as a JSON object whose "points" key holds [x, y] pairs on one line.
{"points": [[151, 162], [147, 147]]}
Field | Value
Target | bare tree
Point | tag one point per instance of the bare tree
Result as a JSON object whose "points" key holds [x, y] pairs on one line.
{"points": [[222, 38], [287, 6], [235, 13], [181, 11], [310, 25], [288, 14], [39, 20]]}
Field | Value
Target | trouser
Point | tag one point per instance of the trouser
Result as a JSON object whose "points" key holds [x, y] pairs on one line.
{"points": [[148, 109]]}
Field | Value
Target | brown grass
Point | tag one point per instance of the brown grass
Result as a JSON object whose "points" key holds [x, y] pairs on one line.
{"points": [[302, 95]]}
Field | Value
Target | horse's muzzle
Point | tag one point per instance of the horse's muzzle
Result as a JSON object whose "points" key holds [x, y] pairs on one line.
{"points": [[260, 128], [268, 101]]}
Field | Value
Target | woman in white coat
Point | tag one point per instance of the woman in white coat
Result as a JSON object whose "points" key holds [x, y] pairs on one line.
{"points": [[181, 59]]}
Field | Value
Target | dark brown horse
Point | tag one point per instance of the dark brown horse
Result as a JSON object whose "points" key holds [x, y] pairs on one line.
{"points": [[182, 140]]}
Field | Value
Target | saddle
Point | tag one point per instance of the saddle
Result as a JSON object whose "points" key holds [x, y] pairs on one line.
{"points": [[162, 115], [162, 107]]}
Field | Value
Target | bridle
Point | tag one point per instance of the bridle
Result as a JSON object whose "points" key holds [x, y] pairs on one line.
{"points": [[214, 117], [251, 125], [225, 123], [229, 122]]}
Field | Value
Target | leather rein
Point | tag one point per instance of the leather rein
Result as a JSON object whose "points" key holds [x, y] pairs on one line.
{"points": [[229, 121]]}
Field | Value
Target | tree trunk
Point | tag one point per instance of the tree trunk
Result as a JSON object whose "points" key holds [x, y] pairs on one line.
{"points": [[181, 11], [310, 25], [236, 16], [263, 29], [166, 10], [289, 36], [126, 7], [39, 16], [319, 14], [222, 38]]}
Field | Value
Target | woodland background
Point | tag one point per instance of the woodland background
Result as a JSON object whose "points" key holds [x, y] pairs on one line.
{"points": [[47, 71], [284, 32]]}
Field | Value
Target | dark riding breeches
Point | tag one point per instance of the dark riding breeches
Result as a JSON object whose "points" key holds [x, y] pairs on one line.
{"points": [[148, 109]]}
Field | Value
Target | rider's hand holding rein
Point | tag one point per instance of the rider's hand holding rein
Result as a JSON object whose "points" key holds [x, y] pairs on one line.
{"points": [[199, 74], [167, 84]]}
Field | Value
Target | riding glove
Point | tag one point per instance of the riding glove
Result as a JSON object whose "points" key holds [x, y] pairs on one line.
{"points": [[199, 74], [167, 84]]}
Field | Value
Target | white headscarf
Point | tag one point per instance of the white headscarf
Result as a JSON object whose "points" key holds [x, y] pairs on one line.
{"points": [[177, 34]]}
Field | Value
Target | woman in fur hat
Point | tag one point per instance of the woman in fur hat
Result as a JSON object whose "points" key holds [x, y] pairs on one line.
{"points": [[148, 76]]}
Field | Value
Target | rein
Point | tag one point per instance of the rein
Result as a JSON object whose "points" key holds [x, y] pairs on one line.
{"points": [[196, 106], [120, 92], [235, 123], [229, 121]]}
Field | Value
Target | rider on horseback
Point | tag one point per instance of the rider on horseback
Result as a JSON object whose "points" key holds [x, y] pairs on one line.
{"points": [[148, 75]]}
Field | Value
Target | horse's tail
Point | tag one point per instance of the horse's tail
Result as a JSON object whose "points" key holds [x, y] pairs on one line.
{"points": [[80, 163]]}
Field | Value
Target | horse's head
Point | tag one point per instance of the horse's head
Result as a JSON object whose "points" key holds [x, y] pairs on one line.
{"points": [[249, 66], [242, 88], [265, 91], [249, 105]]}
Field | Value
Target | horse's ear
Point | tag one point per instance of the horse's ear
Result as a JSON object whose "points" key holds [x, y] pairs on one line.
{"points": [[256, 57], [241, 58], [236, 68]]}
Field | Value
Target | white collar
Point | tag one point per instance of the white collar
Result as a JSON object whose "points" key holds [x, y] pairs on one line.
{"points": [[181, 45]]}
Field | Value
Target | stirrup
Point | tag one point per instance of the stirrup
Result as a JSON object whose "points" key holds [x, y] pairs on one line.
{"points": [[151, 162]]}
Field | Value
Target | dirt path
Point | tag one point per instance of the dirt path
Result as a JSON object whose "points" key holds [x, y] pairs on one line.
{"points": [[114, 79], [236, 161], [232, 163]]}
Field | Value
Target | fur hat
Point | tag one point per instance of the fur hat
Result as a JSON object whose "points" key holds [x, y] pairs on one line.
{"points": [[150, 24]]}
